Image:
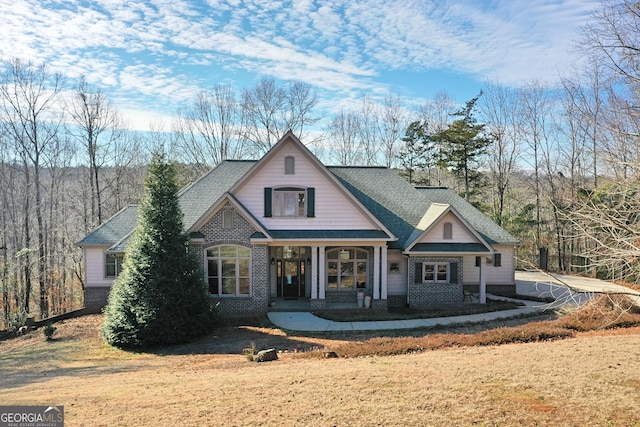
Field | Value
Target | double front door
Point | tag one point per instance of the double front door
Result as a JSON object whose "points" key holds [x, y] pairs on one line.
{"points": [[291, 278]]}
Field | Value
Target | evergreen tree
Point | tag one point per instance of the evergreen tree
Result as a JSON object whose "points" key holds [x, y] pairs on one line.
{"points": [[461, 145], [160, 296], [417, 154]]}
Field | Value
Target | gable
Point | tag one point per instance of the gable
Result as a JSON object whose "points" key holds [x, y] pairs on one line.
{"points": [[334, 207], [460, 233]]}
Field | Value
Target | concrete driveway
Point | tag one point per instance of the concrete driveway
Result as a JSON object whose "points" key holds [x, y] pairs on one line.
{"points": [[567, 289]]}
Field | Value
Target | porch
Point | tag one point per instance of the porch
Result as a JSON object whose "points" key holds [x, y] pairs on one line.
{"points": [[305, 304]]}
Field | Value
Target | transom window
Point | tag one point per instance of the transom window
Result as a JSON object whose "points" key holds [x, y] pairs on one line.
{"points": [[113, 265], [228, 270], [289, 202], [435, 272], [347, 269]]}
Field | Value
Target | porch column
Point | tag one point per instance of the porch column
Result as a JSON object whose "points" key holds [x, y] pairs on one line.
{"points": [[384, 273], [483, 280], [322, 275], [376, 272], [314, 272]]}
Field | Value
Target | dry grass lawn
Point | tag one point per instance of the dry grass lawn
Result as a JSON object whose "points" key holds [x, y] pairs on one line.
{"points": [[590, 380]]}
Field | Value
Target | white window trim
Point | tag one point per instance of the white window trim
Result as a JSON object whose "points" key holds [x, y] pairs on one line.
{"points": [[278, 209], [355, 262], [219, 259], [435, 274], [119, 260]]}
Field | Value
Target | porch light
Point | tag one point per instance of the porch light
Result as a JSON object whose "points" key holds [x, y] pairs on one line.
{"points": [[308, 261], [273, 261]]}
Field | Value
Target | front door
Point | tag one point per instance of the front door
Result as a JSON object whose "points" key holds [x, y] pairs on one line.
{"points": [[291, 278]]}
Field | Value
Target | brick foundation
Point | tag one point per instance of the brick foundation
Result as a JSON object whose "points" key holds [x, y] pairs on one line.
{"points": [[95, 298]]}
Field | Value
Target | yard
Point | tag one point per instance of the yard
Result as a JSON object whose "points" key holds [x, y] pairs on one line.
{"points": [[591, 379]]}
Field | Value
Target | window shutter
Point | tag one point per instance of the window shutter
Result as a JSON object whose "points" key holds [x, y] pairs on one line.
{"points": [[267, 201], [453, 272], [477, 261], [497, 260], [418, 278], [311, 200]]}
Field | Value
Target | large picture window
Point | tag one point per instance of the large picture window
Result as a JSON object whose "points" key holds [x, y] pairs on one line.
{"points": [[228, 270], [435, 272], [113, 265], [347, 269]]}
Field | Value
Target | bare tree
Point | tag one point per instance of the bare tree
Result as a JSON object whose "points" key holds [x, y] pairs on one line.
{"points": [[207, 132], [96, 127], [343, 131], [393, 123], [535, 109], [614, 34], [31, 114], [269, 111], [499, 107]]}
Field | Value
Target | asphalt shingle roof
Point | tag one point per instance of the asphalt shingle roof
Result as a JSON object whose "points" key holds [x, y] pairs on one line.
{"points": [[112, 231], [388, 196], [197, 198]]}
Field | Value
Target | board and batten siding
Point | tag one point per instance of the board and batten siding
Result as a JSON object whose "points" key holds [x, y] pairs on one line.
{"points": [[460, 233], [503, 275], [333, 209], [94, 259]]}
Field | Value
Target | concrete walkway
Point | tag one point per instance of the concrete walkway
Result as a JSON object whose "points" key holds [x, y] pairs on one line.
{"points": [[562, 289]]}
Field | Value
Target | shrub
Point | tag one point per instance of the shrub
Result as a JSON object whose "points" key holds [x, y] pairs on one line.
{"points": [[48, 331]]}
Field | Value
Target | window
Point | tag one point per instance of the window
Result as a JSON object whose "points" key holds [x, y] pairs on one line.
{"points": [[228, 270], [289, 202], [113, 265], [289, 165], [347, 269], [435, 272], [497, 260], [448, 231], [227, 219]]}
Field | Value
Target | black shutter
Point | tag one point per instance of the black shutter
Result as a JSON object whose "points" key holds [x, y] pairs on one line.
{"points": [[453, 272], [477, 261], [311, 201], [497, 260], [267, 201], [418, 278]]}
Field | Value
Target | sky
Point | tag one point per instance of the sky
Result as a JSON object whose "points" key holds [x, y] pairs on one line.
{"points": [[152, 57]]}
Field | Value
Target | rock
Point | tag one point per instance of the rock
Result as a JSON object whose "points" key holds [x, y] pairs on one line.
{"points": [[266, 355], [330, 355]]}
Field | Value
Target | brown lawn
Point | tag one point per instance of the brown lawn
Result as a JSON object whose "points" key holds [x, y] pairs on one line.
{"points": [[590, 380]]}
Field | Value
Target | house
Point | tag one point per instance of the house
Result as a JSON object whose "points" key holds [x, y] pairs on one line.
{"points": [[289, 227]]}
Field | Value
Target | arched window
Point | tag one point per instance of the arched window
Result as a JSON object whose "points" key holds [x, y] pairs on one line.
{"points": [[228, 270], [347, 269]]}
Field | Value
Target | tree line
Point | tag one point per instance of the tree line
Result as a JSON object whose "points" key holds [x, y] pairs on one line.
{"points": [[555, 166]]}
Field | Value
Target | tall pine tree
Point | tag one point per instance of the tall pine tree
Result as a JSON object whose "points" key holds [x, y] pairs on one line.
{"points": [[160, 296], [461, 145]]}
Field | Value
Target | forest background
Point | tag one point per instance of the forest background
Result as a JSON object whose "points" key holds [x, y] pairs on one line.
{"points": [[558, 167]]}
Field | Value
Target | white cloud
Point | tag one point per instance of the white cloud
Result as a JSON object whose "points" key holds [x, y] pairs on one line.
{"points": [[168, 49]]}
